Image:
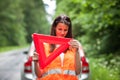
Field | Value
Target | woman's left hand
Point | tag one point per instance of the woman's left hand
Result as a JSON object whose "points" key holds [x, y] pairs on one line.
{"points": [[74, 43]]}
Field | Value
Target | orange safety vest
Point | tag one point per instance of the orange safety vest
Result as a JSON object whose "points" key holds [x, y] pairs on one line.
{"points": [[54, 71]]}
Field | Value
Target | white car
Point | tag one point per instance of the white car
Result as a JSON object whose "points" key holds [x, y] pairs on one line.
{"points": [[27, 72]]}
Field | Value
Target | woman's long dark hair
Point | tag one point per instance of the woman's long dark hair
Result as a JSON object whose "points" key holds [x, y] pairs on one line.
{"points": [[61, 19]]}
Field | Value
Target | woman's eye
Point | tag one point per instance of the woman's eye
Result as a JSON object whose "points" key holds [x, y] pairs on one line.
{"points": [[60, 29], [65, 30]]}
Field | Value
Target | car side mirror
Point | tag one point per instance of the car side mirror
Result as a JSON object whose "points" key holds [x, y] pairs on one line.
{"points": [[25, 52]]}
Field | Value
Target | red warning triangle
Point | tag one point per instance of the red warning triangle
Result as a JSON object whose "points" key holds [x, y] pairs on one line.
{"points": [[39, 39]]}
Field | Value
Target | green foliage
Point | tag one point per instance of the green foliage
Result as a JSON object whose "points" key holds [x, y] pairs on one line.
{"points": [[96, 23], [19, 19], [101, 25], [12, 29], [100, 69], [35, 18], [14, 48]]}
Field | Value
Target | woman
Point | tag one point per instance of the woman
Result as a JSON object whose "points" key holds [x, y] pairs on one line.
{"points": [[68, 64]]}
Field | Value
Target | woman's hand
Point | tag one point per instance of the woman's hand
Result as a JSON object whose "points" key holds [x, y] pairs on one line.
{"points": [[38, 71], [74, 43], [35, 57]]}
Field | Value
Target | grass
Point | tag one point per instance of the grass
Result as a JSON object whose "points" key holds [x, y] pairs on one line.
{"points": [[100, 71], [8, 48]]}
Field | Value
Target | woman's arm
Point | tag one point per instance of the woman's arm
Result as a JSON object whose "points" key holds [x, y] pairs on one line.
{"points": [[38, 71], [77, 63], [75, 44]]}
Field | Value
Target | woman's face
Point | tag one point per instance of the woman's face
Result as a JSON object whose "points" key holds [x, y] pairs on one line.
{"points": [[61, 30]]}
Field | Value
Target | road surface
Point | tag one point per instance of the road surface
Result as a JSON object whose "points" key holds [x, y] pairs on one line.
{"points": [[10, 65]]}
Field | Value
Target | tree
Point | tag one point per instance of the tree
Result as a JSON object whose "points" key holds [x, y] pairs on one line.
{"points": [[12, 29], [19, 19], [96, 23], [35, 18]]}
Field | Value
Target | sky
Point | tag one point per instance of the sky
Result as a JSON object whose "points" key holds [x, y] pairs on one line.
{"points": [[51, 6], [50, 9]]}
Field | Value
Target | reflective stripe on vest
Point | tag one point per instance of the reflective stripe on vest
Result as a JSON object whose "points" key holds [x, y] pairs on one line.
{"points": [[70, 72], [59, 71]]}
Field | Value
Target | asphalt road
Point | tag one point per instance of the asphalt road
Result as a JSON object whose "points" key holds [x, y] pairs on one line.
{"points": [[10, 64]]}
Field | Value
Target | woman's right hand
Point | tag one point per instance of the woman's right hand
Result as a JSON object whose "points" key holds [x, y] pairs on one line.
{"points": [[35, 57], [38, 71]]}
